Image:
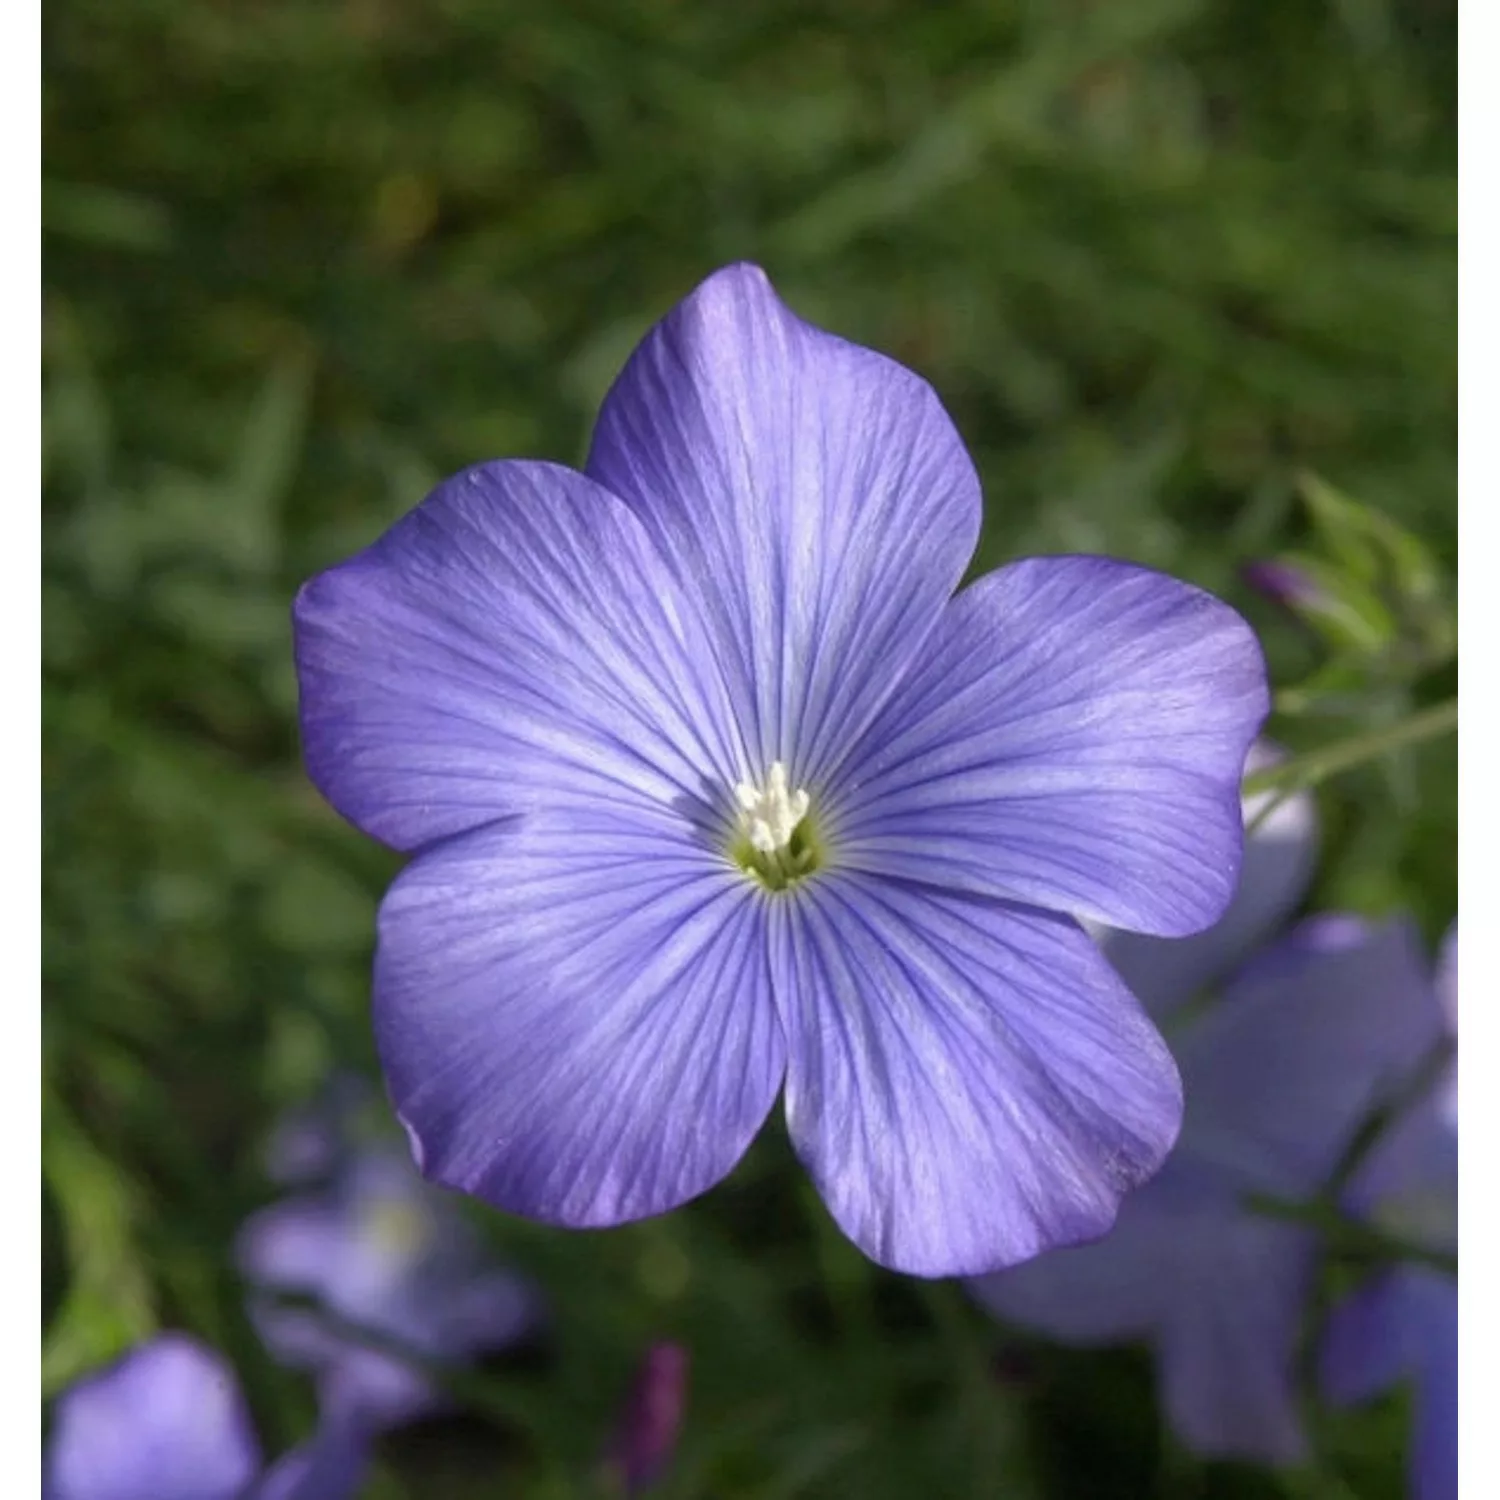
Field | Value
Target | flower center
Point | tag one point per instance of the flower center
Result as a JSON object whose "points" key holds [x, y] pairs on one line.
{"points": [[774, 837], [396, 1229]]}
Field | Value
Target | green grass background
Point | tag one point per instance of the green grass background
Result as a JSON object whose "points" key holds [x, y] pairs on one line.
{"points": [[303, 259]]}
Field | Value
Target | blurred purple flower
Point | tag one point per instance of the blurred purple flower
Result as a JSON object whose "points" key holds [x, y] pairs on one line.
{"points": [[1403, 1324], [715, 788], [1279, 1076], [652, 1421], [168, 1422], [384, 1254]]}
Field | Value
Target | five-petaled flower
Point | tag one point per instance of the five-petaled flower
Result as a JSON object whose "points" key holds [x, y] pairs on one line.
{"points": [[715, 787], [400, 1271]]}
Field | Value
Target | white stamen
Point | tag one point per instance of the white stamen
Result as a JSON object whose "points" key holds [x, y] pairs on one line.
{"points": [[768, 818]]}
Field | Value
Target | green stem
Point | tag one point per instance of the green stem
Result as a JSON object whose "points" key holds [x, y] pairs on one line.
{"points": [[1318, 765], [1277, 799], [1353, 1235]]}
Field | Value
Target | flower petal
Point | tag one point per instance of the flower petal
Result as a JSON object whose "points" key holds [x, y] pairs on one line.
{"points": [[1435, 1448], [968, 1082], [813, 497], [516, 630], [1072, 737], [1403, 1324], [1280, 855], [1220, 1294], [1367, 1345], [1111, 1290], [1229, 1342], [330, 1465], [166, 1422], [574, 1015], [1287, 1066], [297, 1244], [1446, 981], [383, 1390], [487, 1311]]}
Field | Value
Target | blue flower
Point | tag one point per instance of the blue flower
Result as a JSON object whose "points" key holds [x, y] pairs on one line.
{"points": [[393, 1267], [1403, 1324], [168, 1422], [1279, 1074], [716, 789]]}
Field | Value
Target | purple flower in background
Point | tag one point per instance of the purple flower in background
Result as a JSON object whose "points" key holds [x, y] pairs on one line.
{"points": [[1403, 1324], [716, 788], [168, 1422], [1279, 1075], [390, 1257], [653, 1418]]}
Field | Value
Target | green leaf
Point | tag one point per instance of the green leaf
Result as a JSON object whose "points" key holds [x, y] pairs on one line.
{"points": [[108, 1307]]}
